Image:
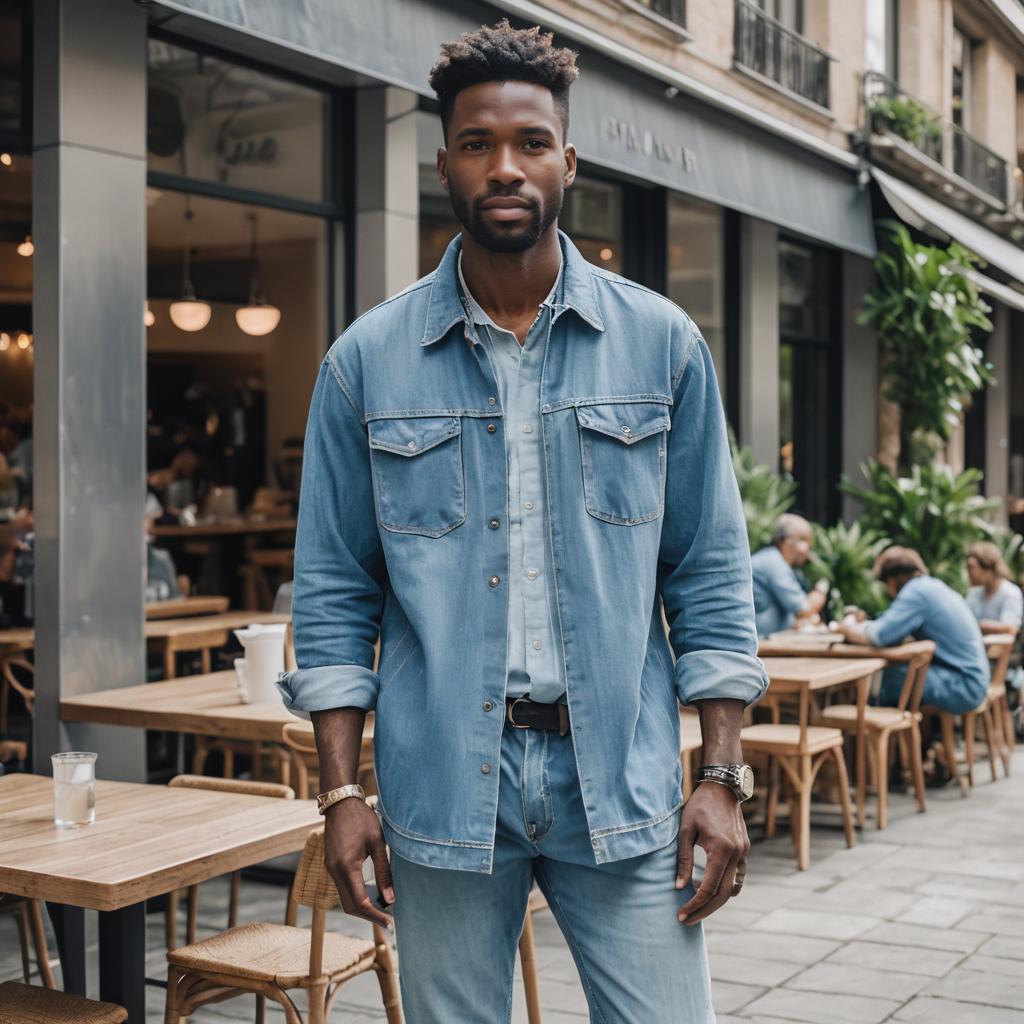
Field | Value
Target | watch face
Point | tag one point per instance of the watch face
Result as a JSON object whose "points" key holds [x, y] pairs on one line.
{"points": [[746, 782]]}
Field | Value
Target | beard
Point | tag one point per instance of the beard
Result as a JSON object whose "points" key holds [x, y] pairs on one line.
{"points": [[501, 237]]}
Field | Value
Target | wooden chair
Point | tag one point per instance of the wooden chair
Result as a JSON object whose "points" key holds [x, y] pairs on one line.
{"points": [[173, 898], [1000, 650], [11, 659], [801, 749], [190, 641], [882, 723], [271, 960], [528, 957], [26, 1004], [690, 742], [298, 738], [264, 571], [30, 923]]}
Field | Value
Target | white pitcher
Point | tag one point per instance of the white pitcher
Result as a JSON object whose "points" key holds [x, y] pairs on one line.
{"points": [[264, 660]]}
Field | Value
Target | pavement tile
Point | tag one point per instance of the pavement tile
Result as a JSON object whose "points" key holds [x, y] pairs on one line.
{"points": [[801, 950], [932, 963], [857, 898], [930, 938], [958, 887], [936, 911], [929, 1010], [819, 924], [750, 971], [818, 1008], [993, 965], [995, 920], [728, 996], [991, 988], [853, 979], [1003, 946]]}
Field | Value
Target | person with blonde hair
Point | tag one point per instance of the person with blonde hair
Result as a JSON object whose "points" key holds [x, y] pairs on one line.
{"points": [[994, 598], [925, 608]]}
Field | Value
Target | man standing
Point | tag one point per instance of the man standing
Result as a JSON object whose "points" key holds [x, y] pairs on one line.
{"points": [[780, 601], [507, 466]]}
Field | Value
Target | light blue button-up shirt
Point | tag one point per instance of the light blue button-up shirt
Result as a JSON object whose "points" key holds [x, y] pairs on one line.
{"points": [[534, 660], [778, 595], [405, 466]]}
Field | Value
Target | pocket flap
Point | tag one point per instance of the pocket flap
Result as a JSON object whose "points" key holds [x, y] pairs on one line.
{"points": [[412, 435], [625, 421]]}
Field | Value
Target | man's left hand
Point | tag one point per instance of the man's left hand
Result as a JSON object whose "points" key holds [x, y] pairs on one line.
{"points": [[712, 819]]}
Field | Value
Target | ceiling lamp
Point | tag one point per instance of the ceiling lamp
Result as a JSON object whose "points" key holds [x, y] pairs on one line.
{"points": [[6, 159], [148, 317], [188, 313], [24, 341], [259, 317], [26, 248], [5, 341]]}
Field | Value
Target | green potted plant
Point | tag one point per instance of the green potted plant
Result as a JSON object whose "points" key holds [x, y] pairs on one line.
{"points": [[765, 494], [845, 556]]}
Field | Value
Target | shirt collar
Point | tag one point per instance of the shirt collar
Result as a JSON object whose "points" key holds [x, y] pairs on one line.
{"points": [[480, 316], [576, 284]]}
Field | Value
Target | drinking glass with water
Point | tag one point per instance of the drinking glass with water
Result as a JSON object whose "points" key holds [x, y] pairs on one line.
{"points": [[74, 789]]}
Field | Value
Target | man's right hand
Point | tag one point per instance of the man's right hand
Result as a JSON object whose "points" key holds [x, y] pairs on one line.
{"points": [[352, 834]]}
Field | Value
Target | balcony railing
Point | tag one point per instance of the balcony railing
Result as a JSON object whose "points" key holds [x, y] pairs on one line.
{"points": [[765, 46], [891, 110], [673, 10]]}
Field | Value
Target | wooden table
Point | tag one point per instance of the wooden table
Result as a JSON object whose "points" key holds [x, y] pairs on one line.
{"points": [[146, 841], [205, 705], [808, 677], [839, 648], [200, 633], [226, 528], [182, 607]]}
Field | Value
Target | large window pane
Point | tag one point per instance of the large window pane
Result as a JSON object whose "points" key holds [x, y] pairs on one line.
{"points": [[592, 218], [216, 121], [438, 225], [696, 269]]}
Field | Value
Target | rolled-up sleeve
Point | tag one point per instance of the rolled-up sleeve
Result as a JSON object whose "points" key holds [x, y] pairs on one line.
{"points": [[339, 563], [900, 620], [704, 559]]}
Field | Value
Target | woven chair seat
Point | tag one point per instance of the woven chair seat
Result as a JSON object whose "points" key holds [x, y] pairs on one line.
{"points": [[844, 716], [276, 953], [28, 1004]]}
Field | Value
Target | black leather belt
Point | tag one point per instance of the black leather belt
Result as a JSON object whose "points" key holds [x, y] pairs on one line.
{"points": [[523, 713]]}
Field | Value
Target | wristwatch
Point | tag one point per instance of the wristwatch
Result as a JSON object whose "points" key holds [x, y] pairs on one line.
{"points": [[334, 796], [737, 777]]}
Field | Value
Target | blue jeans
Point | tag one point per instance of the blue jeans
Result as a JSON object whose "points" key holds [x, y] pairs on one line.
{"points": [[457, 931]]}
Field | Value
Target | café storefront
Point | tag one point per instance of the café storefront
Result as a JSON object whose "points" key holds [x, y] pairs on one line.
{"points": [[272, 177]]}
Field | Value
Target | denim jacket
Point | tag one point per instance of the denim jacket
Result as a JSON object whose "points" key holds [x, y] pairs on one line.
{"points": [[402, 528]]}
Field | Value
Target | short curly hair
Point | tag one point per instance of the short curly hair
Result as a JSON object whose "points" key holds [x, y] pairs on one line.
{"points": [[501, 53]]}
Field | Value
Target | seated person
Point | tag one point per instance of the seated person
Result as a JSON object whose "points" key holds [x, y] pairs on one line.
{"points": [[926, 609], [995, 600], [161, 575], [780, 601]]}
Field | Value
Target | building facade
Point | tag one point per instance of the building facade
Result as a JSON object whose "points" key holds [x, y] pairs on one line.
{"points": [[734, 156]]}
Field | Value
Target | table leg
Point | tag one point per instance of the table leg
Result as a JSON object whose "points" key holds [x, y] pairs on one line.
{"points": [[861, 752], [69, 929], [123, 959]]}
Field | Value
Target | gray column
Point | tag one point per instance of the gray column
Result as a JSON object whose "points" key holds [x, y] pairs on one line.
{"points": [[89, 226], [860, 376], [759, 339], [997, 411], [387, 194]]}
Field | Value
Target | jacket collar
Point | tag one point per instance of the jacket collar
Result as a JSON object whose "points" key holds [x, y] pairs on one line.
{"points": [[445, 308]]}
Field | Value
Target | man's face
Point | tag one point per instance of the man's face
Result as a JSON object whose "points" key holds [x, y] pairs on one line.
{"points": [[796, 548], [506, 167]]}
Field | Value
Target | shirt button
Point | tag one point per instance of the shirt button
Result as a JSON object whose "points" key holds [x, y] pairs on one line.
{"points": [[528, 505], [527, 429], [485, 768], [494, 523], [412, 445], [625, 429], [491, 401], [494, 581], [491, 428], [536, 645], [531, 574], [488, 705]]}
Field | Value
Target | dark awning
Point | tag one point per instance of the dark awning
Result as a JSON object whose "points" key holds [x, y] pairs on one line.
{"points": [[620, 119]]}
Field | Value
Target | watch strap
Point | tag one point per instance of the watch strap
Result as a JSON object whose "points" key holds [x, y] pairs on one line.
{"points": [[334, 796]]}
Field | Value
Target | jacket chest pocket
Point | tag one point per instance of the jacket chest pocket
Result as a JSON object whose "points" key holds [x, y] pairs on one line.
{"points": [[417, 473], [623, 446]]}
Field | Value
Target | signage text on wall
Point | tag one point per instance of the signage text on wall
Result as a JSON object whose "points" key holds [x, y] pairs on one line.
{"points": [[647, 143]]}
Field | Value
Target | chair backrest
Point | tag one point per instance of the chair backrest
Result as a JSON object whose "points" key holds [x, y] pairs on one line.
{"points": [[999, 651], [243, 786], [913, 681], [300, 740]]}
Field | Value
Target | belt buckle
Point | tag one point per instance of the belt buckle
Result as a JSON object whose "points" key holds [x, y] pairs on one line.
{"points": [[511, 710]]}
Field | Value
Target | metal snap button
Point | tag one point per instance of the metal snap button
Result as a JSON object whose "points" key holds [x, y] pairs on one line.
{"points": [[527, 429], [494, 523], [528, 505], [488, 705], [536, 645], [532, 574], [412, 444], [491, 401], [494, 581], [491, 428], [625, 429], [485, 768]]}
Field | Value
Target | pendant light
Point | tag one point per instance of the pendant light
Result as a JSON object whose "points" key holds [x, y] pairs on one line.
{"points": [[26, 248], [188, 313], [259, 317], [148, 316]]}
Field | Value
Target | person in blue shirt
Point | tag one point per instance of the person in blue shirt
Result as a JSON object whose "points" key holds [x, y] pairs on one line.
{"points": [[780, 601], [925, 608]]}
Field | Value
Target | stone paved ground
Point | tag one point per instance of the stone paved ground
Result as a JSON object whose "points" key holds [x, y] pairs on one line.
{"points": [[921, 923]]}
